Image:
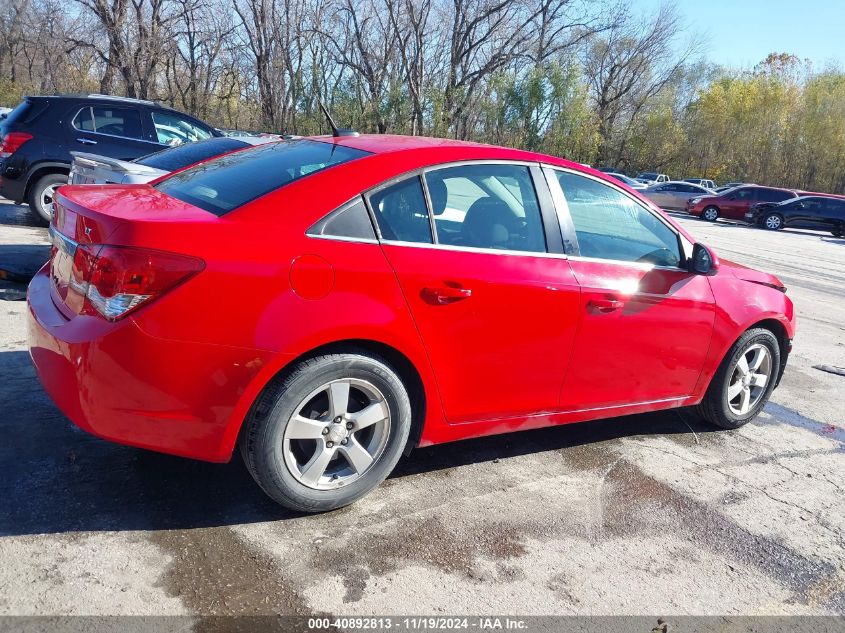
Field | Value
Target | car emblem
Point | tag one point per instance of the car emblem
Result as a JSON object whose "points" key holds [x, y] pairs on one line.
{"points": [[88, 230]]}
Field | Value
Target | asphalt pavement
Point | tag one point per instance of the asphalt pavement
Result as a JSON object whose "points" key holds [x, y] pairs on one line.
{"points": [[647, 514]]}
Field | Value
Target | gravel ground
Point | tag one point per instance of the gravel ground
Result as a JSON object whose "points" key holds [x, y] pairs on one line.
{"points": [[649, 514]]}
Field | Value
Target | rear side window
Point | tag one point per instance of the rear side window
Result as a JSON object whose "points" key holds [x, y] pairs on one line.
{"points": [[125, 122], [401, 212], [190, 153], [486, 206], [226, 183], [774, 195], [351, 221]]}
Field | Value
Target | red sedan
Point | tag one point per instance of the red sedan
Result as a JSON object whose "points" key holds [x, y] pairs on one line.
{"points": [[326, 304], [734, 203]]}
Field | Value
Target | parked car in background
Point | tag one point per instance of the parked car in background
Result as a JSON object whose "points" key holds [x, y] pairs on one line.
{"points": [[704, 182], [88, 169], [633, 184], [369, 322], [810, 212], [38, 136], [674, 195], [734, 203], [650, 177]]}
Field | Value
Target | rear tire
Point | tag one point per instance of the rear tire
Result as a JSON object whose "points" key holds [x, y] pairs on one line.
{"points": [[711, 214], [40, 197], [304, 442], [725, 405]]}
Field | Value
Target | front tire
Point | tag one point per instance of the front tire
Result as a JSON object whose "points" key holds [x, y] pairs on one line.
{"points": [[711, 214], [744, 381], [40, 198], [773, 222], [329, 432]]}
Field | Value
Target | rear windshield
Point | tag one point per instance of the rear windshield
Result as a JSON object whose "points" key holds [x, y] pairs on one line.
{"points": [[178, 157], [224, 184]]}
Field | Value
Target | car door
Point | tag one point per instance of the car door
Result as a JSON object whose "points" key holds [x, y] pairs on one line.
{"points": [[113, 131], [831, 215], [646, 321], [737, 202], [661, 195], [487, 283]]}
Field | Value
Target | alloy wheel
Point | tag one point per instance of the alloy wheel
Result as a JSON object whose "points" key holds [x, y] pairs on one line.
{"points": [[749, 379], [47, 196], [710, 214], [336, 433], [773, 222]]}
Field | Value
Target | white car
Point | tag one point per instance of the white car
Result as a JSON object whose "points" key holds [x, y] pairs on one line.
{"points": [[93, 169], [651, 177]]}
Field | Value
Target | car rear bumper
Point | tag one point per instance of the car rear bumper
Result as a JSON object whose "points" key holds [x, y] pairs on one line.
{"points": [[119, 383]]}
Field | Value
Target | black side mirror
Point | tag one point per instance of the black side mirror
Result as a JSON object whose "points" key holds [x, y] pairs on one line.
{"points": [[702, 262]]}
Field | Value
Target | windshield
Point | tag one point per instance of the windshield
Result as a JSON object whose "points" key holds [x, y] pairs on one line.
{"points": [[226, 183], [649, 175], [190, 153]]}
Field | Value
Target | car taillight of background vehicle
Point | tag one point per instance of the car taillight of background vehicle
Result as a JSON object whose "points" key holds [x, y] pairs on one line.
{"points": [[115, 280], [11, 142]]}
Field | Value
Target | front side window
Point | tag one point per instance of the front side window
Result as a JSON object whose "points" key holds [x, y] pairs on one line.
{"points": [[125, 122], [401, 212], [486, 206], [226, 183], [174, 129], [610, 225]]}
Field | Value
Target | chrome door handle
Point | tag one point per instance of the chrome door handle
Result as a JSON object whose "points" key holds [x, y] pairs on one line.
{"points": [[606, 305], [86, 141], [443, 295]]}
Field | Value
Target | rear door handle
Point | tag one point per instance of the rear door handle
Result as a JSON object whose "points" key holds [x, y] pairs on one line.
{"points": [[443, 295], [606, 305], [86, 141]]}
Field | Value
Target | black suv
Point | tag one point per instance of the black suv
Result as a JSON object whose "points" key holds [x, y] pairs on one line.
{"points": [[810, 212], [36, 139]]}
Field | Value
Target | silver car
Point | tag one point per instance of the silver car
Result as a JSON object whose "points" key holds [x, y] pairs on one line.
{"points": [[633, 184], [675, 194], [93, 169]]}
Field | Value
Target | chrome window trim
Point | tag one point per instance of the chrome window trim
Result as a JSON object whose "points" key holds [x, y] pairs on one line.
{"points": [[559, 197], [126, 138], [475, 249]]}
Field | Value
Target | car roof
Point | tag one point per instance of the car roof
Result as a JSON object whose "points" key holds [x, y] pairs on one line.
{"points": [[383, 143], [105, 98]]}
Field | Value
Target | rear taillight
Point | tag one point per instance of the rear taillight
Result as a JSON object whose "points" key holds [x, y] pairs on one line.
{"points": [[11, 142], [118, 279]]}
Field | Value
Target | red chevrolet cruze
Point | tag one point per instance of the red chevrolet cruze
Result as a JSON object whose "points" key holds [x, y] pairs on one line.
{"points": [[328, 303]]}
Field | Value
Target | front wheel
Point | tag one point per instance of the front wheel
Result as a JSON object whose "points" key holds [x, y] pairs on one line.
{"points": [[773, 222], [329, 433], [744, 381], [40, 198], [711, 214]]}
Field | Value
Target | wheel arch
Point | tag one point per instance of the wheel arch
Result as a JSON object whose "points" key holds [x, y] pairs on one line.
{"points": [[397, 359], [784, 343], [39, 170]]}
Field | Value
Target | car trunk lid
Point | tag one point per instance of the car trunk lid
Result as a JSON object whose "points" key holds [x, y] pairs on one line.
{"points": [[86, 218]]}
